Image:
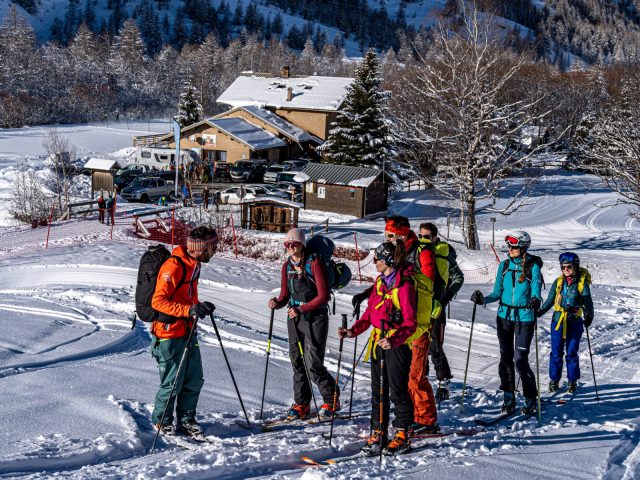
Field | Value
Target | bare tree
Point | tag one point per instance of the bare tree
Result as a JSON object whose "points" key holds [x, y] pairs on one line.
{"points": [[60, 155], [28, 200], [457, 108], [610, 144]]}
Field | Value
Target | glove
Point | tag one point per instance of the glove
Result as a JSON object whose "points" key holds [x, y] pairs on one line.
{"points": [[477, 298], [357, 299], [199, 310], [588, 320], [210, 306], [534, 304], [345, 333]]}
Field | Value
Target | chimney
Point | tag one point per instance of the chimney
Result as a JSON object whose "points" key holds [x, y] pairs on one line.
{"points": [[285, 72], [289, 94]]}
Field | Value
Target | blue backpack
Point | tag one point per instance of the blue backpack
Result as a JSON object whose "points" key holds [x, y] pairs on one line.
{"points": [[321, 247]]}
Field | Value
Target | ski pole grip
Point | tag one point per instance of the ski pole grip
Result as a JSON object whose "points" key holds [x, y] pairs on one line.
{"points": [[344, 320]]}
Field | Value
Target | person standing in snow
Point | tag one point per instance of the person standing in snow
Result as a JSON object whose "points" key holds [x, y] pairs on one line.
{"points": [[421, 263], [517, 288], [176, 300], [305, 291], [111, 207], [205, 197], [102, 205], [570, 298], [391, 310], [447, 292]]}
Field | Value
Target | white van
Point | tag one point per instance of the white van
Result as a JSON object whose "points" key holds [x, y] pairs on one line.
{"points": [[161, 158]]}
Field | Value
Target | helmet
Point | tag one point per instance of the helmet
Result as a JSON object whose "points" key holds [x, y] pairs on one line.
{"points": [[569, 258], [518, 238]]}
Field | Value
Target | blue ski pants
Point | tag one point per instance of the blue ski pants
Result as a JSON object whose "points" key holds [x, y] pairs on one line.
{"points": [[571, 343]]}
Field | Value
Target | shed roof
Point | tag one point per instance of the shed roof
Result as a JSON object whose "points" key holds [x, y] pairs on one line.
{"points": [[273, 200], [309, 93], [341, 174], [103, 164]]}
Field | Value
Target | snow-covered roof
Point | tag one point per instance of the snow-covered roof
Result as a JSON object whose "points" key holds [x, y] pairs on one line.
{"points": [[102, 164], [341, 174], [309, 93], [283, 126], [248, 133], [270, 199]]}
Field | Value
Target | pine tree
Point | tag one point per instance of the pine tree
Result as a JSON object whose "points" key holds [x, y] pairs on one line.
{"points": [[189, 108], [361, 134]]}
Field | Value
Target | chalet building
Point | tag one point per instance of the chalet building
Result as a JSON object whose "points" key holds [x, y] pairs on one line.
{"points": [[272, 118], [343, 189]]}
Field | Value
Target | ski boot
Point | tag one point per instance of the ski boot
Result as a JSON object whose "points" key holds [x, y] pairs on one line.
{"points": [[572, 387], [530, 406], [442, 393], [509, 403], [372, 447], [553, 386], [167, 430], [327, 410], [191, 428], [298, 411], [400, 444]]}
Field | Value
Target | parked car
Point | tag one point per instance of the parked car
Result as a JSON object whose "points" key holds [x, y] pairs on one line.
{"points": [[127, 174], [247, 171], [290, 165], [292, 190], [290, 176], [271, 175], [269, 190], [145, 189], [234, 195], [222, 171]]}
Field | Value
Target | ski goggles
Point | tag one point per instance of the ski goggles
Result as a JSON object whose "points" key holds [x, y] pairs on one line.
{"points": [[512, 241], [292, 245]]}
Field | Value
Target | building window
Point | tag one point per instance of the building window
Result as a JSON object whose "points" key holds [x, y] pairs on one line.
{"points": [[321, 192], [309, 187], [352, 191]]}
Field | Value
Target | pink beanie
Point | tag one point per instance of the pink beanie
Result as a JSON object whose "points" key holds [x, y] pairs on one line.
{"points": [[296, 235], [201, 244]]}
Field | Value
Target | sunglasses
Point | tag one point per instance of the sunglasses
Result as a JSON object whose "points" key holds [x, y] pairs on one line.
{"points": [[390, 235], [426, 236], [292, 244], [514, 247], [566, 267]]}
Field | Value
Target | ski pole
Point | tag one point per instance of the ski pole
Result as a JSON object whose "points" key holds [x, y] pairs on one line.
{"points": [[356, 364], [266, 367], [466, 368], [592, 369], [383, 425], [175, 382], [535, 319], [335, 389], [215, 327], [353, 368], [304, 363]]}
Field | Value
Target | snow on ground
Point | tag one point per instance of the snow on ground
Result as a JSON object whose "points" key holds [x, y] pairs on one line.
{"points": [[77, 382]]}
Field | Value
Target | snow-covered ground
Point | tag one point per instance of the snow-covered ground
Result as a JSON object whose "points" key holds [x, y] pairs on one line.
{"points": [[77, 382]]}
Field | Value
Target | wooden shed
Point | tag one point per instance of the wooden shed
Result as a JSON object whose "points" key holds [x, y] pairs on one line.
{"points": [[103, 172], [344, 189], [270, 214]]}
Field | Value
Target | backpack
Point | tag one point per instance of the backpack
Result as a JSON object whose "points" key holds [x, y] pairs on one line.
{"points": [[441, 251], [528, 265], [150, 264], [321, 247]]}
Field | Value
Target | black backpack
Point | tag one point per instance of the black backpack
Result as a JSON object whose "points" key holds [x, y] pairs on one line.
{"points": [[150, 264]]}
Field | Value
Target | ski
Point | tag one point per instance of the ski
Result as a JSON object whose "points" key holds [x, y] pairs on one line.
{"points": [[462, 433], [187, 442], [283, 423], [488, 420]]}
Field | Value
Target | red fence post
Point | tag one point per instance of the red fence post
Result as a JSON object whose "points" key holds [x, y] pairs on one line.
{"points": [[173, 225], [235, 241], [46, 245], [494, 252], [355, 237]]}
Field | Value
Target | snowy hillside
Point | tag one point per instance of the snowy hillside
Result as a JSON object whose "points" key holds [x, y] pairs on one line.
{"points": [[77, 382]]}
